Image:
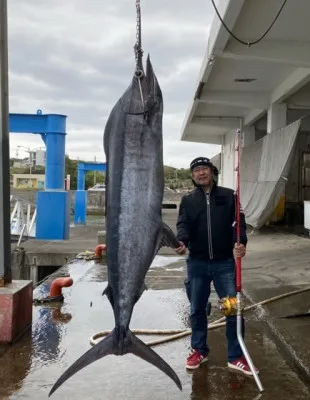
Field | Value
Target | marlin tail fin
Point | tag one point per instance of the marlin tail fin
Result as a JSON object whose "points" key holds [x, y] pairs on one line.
{"points": [[118, 342]]}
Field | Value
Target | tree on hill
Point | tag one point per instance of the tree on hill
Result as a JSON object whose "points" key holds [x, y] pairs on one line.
{"points": [[91, 178], [175, 178]]}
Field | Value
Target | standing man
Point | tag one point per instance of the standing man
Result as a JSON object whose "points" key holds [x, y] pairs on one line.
{"points": [[206, 226]]}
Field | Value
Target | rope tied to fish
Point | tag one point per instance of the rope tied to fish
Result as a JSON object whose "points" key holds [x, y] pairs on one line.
{"points": [[139, 74], [138, 45]]}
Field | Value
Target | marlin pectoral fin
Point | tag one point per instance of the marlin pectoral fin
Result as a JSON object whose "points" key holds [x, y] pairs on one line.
{"points": [[108, 292], [169, 239], [144, 287]]}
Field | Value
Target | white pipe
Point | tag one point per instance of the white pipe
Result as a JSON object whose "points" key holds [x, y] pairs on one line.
{"points": [[14, 212], [21, 235], [28, 216], [18, 217], [32, 222]]}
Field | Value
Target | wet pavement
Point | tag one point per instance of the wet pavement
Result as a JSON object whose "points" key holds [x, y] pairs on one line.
{"points": [[60, 334]]}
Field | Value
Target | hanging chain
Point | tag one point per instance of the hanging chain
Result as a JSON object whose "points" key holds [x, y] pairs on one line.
{"points": [[138, 48]]}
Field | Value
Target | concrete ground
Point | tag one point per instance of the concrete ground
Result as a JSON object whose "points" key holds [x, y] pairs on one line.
{"points": [[278, 263], [275, 263], [60, 334]]}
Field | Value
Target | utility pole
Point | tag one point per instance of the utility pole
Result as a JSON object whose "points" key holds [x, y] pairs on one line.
{"points": [[5, 225]]}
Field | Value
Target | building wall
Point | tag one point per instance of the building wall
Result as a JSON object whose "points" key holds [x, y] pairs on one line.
{"points": [[292, 191], [216, 161], [23, 181]]}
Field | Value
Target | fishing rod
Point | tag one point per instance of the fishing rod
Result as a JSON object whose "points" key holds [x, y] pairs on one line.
{"points": [[239, 269], [233, 305]]}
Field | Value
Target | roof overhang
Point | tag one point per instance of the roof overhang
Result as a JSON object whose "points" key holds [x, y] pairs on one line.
{"points": [[239, 83]]}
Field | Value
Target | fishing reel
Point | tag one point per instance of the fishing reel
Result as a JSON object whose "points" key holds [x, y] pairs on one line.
{"points": [[228, 306]]}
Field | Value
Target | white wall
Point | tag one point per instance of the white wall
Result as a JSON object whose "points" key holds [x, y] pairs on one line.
{"points": [[229, 159]]}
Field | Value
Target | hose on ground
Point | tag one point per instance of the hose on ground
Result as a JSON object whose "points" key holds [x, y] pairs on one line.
{"points": [[175, 334]]}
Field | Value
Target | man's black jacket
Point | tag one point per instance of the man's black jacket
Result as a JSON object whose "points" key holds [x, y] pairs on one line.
{"points": [[206, 223]]}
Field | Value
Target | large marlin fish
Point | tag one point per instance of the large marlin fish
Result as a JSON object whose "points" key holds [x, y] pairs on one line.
{"points": [[134, 227]]}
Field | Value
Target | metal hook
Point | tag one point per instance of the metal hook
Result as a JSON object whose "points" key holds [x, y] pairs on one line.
{"points": [[139, 74]]}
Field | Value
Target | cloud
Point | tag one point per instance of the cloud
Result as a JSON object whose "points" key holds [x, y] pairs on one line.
{"points": [[76, 58]]}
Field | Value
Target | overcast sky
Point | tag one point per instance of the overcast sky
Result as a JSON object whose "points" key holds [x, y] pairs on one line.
{"points": [[76, 58]]}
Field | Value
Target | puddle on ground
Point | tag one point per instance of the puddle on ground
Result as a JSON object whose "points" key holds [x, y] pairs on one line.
{"points": [[61, 333]]}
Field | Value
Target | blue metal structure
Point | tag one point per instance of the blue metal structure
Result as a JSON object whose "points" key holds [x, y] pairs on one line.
{"points": [[80, 214], [53, 204]]}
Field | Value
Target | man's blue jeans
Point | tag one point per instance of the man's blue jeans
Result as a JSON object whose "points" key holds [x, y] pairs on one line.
{"points": [[200, 275]]}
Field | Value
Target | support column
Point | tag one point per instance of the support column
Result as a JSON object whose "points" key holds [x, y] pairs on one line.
{"points": [[5, 223], [248, 136], [53, 204], [80, 212], [15, 296], [55, 161], [222, 160], [276, 117]]}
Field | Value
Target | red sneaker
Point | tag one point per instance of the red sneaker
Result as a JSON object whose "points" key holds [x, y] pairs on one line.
{"points": [[242, 365], [195, 359]]}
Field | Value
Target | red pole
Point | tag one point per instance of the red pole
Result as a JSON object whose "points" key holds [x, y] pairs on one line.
{"points": [[238, 206]]}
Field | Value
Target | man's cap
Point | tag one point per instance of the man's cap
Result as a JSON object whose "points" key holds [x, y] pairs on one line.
{"points": [[199, 161]]}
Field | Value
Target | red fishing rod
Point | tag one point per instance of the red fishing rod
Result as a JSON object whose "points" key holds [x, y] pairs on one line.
{"points": [[238, 208], [239, 269]]}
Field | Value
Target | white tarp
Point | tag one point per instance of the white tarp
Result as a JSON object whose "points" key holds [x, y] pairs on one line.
{"points": [[263, 166]]}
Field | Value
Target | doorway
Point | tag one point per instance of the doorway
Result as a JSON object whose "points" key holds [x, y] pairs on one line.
{"points": [[304, 171]]}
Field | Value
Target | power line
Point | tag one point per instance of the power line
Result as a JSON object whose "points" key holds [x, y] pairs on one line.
{"points": [[240, 40]]}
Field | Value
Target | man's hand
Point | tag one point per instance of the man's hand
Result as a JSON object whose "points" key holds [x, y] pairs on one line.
{"points": [[181, 250], [239, 250]]}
